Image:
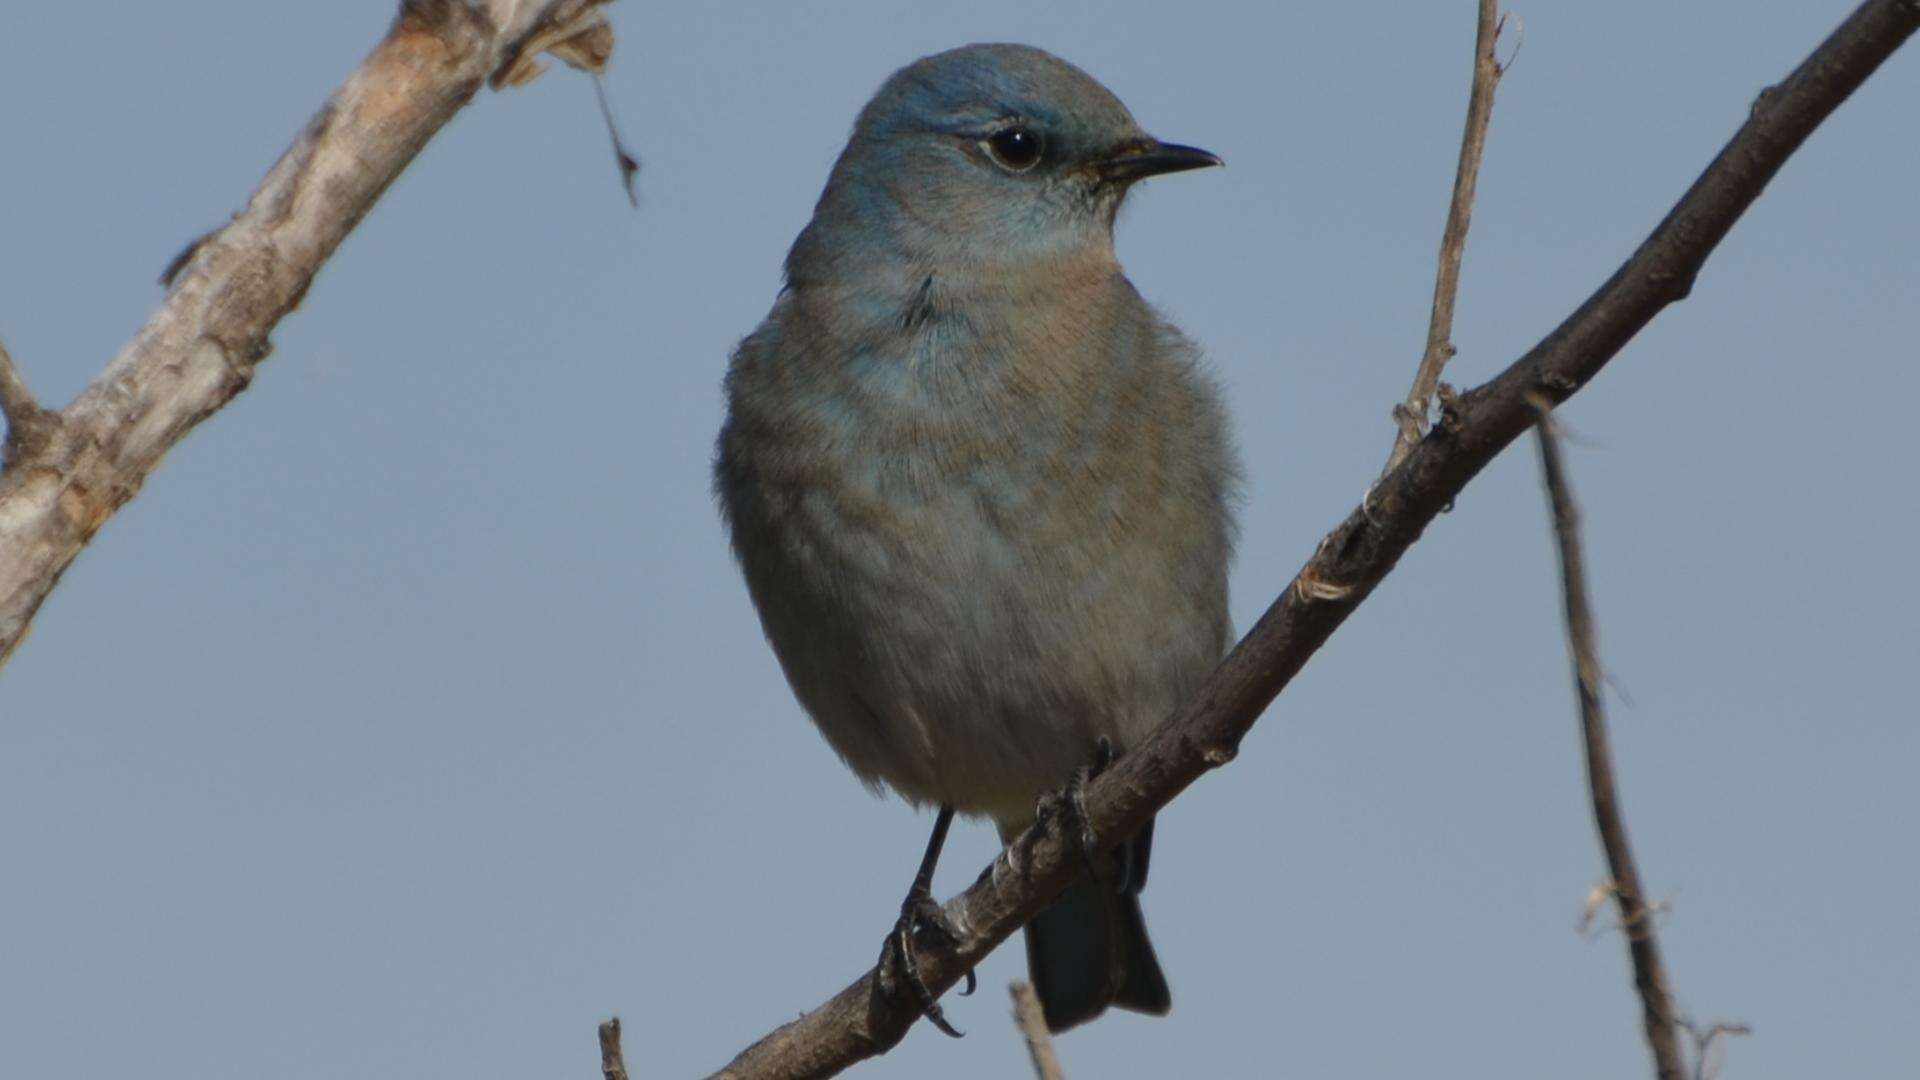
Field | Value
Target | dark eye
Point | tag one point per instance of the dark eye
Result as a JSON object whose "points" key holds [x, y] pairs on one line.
{"points": [[1015, 149]]}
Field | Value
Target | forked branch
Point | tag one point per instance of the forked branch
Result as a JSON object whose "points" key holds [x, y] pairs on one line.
{"points": [[1411, 415]]}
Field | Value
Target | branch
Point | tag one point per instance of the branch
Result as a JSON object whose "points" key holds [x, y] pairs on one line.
{"points": [[859, 1022], [27, 422], [1705, 1041], [613, 1064], [1636, 918], [1412, 415], [228, 291], [1032, 1020]]}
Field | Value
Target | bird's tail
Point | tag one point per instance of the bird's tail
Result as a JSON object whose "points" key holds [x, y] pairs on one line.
{"points": [[1090, 949]]}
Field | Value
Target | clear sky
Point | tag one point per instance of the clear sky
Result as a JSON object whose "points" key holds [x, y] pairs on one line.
{"points": [[413, 719]]}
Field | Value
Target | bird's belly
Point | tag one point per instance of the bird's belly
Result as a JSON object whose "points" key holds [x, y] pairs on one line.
{"points": [[967, 644]]}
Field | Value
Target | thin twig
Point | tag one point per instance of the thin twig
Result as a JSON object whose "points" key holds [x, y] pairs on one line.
{"points": [[860, 1022], [1649, 977], [1704, 1043], [1033, 1025], [1411, 416], [623, 158], [613, 1064]]}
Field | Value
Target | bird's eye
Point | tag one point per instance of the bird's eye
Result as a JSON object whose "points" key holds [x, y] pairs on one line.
{"points": [[1015, 149]]}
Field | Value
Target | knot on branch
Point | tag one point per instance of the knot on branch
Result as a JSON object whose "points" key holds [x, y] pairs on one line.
{"points": [[1671, 286], [574, 31], [464, 26], [1217, 755], [1449, 409], [1310, 588], [1412, 424]]}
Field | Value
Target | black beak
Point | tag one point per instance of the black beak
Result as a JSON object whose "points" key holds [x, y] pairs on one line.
{"points": [[1138, 161]]}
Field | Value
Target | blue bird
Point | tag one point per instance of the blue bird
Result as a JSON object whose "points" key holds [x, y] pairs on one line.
{"points": [[980, 491]]}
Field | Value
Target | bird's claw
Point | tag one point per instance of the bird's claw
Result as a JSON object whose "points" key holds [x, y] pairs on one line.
{"points": [[922, 921], [1070, 807]]}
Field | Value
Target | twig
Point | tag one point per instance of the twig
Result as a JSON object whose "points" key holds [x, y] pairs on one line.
{"points": [[1033, 1025], [859, 1022], [1411, 416], [613, 1064], [1636, 920], [623, 158], [1704, 1042]]}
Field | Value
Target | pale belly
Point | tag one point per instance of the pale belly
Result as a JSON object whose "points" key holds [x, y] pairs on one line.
{"points": [[969, 647]]}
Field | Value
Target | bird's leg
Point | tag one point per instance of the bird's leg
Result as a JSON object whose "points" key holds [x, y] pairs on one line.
{"points": [[922, 920], [1070, 807], [1099, 863]]}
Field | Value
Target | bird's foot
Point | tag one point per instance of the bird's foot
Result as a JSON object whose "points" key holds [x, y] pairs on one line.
{"points": [[1069, 808], [924, 922]]}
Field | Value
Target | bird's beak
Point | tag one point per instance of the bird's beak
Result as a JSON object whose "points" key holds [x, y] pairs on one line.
{"points": [[1137, 161]]}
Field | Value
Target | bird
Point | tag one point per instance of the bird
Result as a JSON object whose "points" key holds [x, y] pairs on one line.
{"points": [[981, 493]]}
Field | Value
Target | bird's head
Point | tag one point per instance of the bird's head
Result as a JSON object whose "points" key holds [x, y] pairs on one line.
{"points": [[981, 156]]}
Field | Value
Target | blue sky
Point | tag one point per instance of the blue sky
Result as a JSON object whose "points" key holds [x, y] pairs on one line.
{"points": [[413, 720]]}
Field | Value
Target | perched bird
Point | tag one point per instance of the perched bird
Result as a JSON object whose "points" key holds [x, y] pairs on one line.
{"points": [[980, 490]]}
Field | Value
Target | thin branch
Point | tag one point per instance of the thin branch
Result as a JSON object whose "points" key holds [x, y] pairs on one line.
{"points": [[1636, 918], [201, 346], [1032, 1020], [1411, 416], [859, 1022], [1704, 1043], [613, 1064]]}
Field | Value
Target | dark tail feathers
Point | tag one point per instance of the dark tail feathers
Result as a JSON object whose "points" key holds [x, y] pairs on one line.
{"points": [[1090, 949]]}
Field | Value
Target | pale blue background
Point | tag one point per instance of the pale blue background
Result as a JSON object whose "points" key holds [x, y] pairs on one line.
{"points": [[412, 720]]}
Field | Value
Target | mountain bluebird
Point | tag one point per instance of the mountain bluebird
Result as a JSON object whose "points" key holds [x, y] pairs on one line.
{"points": [[979, 490]]}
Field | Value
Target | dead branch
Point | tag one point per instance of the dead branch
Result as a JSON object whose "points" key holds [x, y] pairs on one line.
{"points": [[1032, 1021], [1705, 1041], [613, 1063], [859, 1022], [1411, 416], [227, 292], [1636, 918]]}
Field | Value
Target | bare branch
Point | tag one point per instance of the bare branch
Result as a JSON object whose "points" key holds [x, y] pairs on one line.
{"points": [[1705, 1065], [1636, 919], [1411, 416], [1032, 1020], [230, 289], [859, 1022], [613, 1064]]}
